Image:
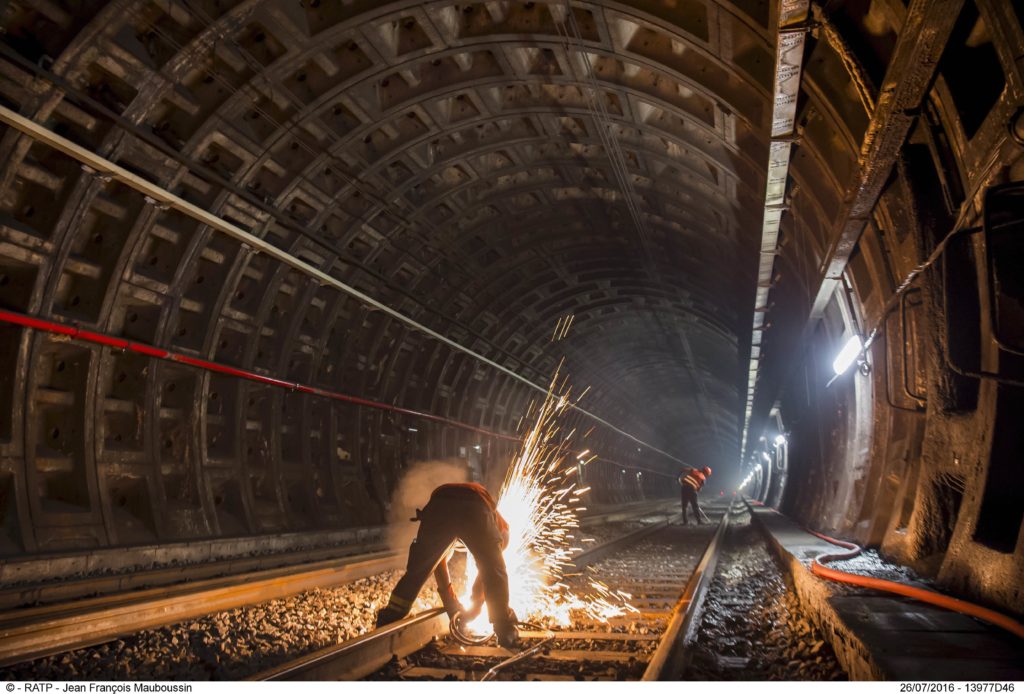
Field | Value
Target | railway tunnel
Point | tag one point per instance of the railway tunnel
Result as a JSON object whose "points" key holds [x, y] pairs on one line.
{"points": [[264, 262]]}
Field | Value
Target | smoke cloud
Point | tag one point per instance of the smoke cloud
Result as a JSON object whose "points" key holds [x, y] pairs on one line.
{"points": [[413, 492]]}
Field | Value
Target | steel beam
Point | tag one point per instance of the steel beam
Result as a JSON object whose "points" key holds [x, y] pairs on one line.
{"points": [[907, 81]]}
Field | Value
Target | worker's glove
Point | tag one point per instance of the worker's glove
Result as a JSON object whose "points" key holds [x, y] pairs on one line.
{"points": [[451, 603], [473, 612]]}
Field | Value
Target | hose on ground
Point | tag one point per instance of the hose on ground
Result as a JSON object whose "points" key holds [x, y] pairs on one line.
{"points": [[818, 568], [522, 655]]}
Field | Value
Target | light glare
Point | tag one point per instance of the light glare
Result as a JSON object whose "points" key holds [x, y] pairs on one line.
{"points": [[848, 355]]}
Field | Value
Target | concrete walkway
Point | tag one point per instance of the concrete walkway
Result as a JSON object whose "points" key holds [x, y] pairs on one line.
{"points": [[883, 636]]}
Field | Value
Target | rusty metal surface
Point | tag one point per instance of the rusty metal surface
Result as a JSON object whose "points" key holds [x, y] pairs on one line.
{"points": [[789, 56], [909, 76]]}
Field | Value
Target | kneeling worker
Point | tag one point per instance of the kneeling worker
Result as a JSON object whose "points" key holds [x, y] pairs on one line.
{"points": [[691, 481], [469, 513]]}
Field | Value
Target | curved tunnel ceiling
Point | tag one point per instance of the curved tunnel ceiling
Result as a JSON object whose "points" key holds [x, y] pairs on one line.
{"points": [[442, 157]]}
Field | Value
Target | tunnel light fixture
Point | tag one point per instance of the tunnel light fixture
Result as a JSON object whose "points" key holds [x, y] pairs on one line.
{"points": [[413, 429], [780, 439], [767, 458], [847, 355]]}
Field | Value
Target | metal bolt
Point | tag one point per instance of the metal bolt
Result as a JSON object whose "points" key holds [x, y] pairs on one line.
{"points": [[1016, 126]]}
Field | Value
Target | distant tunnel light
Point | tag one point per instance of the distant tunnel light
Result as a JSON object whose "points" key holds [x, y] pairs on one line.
{"points": [[848, 355], [780, 439], [767, 458]]}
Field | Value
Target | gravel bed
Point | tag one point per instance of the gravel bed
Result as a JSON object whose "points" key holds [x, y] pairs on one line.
{"points": [[589, 537], [233, 644], [753, 627]]}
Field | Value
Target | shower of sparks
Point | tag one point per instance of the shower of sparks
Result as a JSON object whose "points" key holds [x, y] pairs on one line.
{"points": [[562, 327], [541, 498]]}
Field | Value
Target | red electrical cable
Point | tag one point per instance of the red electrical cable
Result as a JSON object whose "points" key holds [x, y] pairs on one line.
{"points": [[928, 596], [76, 333]]}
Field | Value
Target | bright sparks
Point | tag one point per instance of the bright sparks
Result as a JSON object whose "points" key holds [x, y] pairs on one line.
{"points": [[540, 499]]}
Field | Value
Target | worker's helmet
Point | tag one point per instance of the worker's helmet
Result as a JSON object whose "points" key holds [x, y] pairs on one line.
{"points": [[707, 471]]}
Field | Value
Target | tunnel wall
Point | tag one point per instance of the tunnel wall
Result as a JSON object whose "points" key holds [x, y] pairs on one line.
{"points": [[439, 157], [913, 456]]}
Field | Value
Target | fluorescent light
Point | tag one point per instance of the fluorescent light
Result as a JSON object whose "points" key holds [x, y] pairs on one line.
{"points": [[848, 355], [767, 458]]}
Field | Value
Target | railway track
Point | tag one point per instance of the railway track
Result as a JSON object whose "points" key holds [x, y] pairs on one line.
{"points": [[29, 633], [664, 567]]}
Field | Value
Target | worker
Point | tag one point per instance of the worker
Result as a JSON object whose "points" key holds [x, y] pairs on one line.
{"points": [[691, 482], [465, 512]]}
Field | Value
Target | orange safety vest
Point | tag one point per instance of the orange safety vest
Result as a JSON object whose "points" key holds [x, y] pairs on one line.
{"points": [[484, 494], [694, 478]]}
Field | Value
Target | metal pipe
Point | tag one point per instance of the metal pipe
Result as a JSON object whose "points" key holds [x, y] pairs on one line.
{"points": [[518, 657]]}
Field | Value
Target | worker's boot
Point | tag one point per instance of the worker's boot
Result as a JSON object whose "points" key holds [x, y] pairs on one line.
{"points": [[505, 630]]}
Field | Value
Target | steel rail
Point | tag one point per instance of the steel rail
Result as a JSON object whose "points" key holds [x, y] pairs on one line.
{"points": [[366, 654], [51, 591], [357, 658], [668, 661], [596, 554], [61, 591], [39, 632], [160, 597], [631, 511], [163, 197]]}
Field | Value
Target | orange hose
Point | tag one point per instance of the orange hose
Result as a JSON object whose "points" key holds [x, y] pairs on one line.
{"points": [[928, 596]]}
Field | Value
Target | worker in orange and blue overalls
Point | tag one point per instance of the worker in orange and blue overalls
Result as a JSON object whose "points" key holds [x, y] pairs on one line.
{"points": [[465, 512], [691, 481]]}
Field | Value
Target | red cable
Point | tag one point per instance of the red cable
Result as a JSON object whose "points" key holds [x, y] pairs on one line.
{"points": [[928, 596], [76, 333]]}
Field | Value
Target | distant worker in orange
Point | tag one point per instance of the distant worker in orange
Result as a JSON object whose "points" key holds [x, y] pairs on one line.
{"points": [[691, 481], [469, 513]]}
